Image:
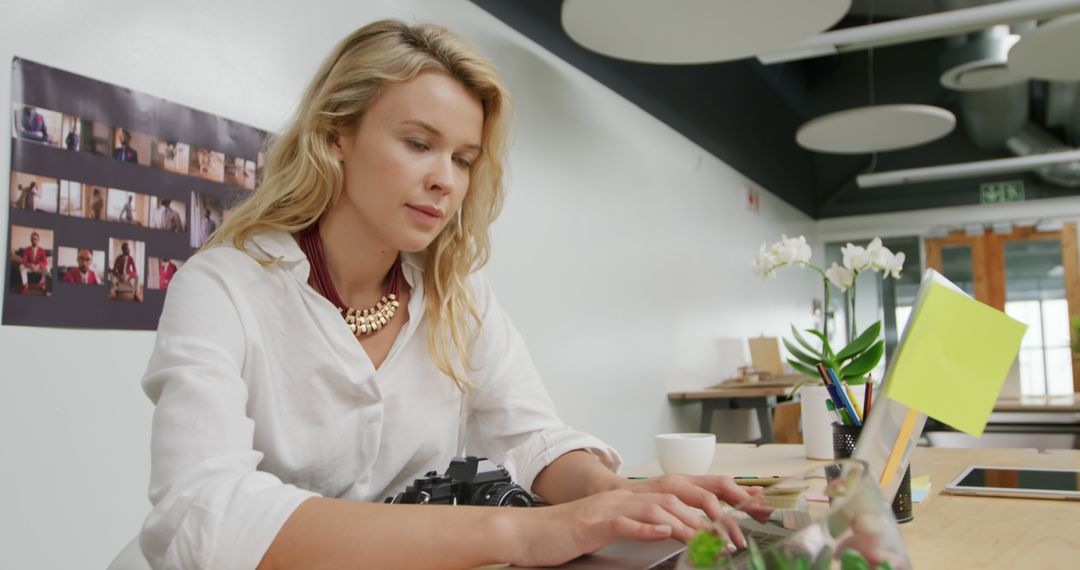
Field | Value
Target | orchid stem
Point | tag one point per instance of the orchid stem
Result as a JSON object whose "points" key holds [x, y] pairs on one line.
{"points": [[825, 317], [851, 295]]}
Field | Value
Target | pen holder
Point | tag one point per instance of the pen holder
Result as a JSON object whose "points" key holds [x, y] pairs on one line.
{"points": [[844, 440]]}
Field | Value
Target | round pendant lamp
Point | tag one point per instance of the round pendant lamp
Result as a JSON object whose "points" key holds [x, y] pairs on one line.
{"points": [[1051, 51], [695, 31], [876, 128]]}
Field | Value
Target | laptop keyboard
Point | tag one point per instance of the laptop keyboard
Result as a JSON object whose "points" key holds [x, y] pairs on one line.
{"points": [[764, 536], [669, 564]]}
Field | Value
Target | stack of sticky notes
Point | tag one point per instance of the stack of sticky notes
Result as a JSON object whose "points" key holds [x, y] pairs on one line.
{"points": [[920, 488]]}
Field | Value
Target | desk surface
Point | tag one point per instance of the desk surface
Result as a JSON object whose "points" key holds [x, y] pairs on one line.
{"points": [[951, 531], [1066, 403]]}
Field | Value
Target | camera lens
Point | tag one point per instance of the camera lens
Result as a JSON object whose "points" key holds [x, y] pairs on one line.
{"points": [[502, 495]]}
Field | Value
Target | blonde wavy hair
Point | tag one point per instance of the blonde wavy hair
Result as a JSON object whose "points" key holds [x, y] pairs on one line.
{"points": [[303, 176]]}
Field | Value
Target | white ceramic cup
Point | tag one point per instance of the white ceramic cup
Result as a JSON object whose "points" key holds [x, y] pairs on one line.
{"points": [[687, 453]]}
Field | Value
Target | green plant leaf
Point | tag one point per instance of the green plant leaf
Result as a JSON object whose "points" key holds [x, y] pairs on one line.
{"points": [[824, 342], [801, 340], [865, 362], [797, 387], [806, 358], [705, 547], [757, 562], [803, 369], [856, 380], [858, 345], [823, 560], [885, 565], [852, 560], [778, 560]]}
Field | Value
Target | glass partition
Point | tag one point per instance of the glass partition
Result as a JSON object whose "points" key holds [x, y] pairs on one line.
{"points": [[1035, 295]]}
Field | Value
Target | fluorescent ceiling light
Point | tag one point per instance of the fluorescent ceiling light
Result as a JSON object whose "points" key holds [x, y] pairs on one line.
{"points": [[1002, 228], [794, 54], [965, 169], [918, 28]]}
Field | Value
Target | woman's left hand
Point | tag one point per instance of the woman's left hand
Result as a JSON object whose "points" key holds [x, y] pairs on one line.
{"points": [[704, 492]]}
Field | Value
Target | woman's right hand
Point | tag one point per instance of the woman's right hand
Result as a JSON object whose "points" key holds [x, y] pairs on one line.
{"points": [[548, 536]]}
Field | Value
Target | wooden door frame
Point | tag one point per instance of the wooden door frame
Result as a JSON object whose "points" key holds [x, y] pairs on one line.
{"points": [[988, 268]]}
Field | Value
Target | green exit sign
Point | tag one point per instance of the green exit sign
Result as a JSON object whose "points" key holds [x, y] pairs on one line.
{"points": [[997, 192]]}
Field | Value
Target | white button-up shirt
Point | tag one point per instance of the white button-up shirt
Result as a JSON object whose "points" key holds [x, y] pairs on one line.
{"points": [[264, 398]]}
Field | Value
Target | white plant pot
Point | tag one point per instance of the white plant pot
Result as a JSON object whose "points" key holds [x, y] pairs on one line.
{"points": [[816, 420]]}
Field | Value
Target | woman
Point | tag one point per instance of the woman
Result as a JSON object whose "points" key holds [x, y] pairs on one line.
{"points": [[283, 419]]}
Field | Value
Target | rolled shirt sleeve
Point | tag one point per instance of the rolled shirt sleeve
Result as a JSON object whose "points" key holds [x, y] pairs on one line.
{"points": [[212, 508], [512, 418]]}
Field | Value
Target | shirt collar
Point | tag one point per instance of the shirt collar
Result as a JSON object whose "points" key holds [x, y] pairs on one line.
{"points": [[281, 245], [278, 245]]}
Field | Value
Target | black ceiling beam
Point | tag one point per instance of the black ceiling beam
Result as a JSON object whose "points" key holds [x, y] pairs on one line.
{"points": [[736, 111]]}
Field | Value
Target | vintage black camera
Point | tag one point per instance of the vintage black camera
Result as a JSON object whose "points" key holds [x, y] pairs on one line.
{"points": [[468, 481]]}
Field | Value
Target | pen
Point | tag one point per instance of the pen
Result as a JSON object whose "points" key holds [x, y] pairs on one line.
{"points": [[833, 395], [843, 405], [835, 414], [845, 419]]}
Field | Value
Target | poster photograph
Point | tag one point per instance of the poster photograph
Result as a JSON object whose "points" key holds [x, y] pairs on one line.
{"points": [[31, 261], [111, 191], [80, 266]]}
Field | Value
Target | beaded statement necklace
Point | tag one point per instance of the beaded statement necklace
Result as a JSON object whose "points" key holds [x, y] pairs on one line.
{"points": [[360, 321]]}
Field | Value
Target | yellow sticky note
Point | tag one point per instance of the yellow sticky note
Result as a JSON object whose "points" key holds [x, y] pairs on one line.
{"points": [[954, 359]]}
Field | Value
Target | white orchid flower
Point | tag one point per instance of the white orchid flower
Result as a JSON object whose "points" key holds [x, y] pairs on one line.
{"points": [[856, 258], [881, 259], [840, 276], [876, 255], [763, 263], [793, 250], [785, 252], [893, 265]]}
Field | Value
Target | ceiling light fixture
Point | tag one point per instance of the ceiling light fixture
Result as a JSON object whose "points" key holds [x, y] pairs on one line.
{"points": [[981, 62], [965, 169], [1049, 52], [918, 28], [695, 31], [877, 128]]}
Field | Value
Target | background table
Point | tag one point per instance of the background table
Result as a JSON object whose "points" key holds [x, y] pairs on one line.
{"points": [[1029, 404], [951, 531], [760, 399]]}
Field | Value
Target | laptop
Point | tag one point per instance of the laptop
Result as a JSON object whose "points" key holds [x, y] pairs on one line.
{"points": [[630, 554], [664, 554]]}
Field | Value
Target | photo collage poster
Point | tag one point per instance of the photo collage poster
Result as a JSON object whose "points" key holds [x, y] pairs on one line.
{"points": [[111, 191]]}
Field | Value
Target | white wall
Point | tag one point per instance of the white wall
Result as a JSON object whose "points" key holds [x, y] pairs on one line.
{"points": [[623, 253]]}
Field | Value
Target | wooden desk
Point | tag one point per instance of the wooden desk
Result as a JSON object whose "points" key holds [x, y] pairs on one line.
{"points": [[1037, 415], [951, 531], [760, 399]]}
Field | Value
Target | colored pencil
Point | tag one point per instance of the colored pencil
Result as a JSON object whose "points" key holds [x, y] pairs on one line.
{"points": [[866, 397], [854, 402]]}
